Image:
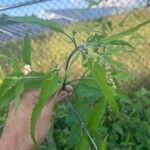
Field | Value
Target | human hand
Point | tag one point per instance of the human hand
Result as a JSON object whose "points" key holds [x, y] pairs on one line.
{"points": [[16, 134]]}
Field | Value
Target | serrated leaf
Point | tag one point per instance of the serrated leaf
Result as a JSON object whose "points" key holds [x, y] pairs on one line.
{"points": [[103, 145], [114, 51], [120, 75], [122, 43], [18, 91], [117, 36], [4, 57], [33, 19], [84, 90], [73, 138], [83, 144], [112, 62], [5, 99], [97, 114], [34, 80], [8, 87], [99, 75], [49, 87], [26, 50]]}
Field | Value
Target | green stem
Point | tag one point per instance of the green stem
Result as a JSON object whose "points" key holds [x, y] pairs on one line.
{"points": [[82, 124], [72, 39]]}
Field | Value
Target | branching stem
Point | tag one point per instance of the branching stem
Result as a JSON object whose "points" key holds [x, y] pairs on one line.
{"points": [[82, 124], [70, 55]]}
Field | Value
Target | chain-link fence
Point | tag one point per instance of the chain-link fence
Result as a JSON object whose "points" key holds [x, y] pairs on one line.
{"points": [[61, 11], [121, 13]]}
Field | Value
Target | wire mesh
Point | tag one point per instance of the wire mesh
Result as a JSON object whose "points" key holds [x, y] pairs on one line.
{"points": [[63, 12]]}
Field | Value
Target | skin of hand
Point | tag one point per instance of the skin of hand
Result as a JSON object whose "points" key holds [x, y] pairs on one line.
{"points": [[16, 134]]}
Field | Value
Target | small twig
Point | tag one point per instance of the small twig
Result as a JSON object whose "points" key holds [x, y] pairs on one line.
{"points": [[72, 39], [67, 63], [69, 58]]}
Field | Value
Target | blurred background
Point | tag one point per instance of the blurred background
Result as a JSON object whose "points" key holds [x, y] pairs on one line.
{"points": [[108, 16]]}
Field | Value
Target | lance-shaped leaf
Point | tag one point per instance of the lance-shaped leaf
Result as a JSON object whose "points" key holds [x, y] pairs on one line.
{"points": [[8, 87], [33, 19], [83, 144], [114, 37], [18, 91], [99, 75], [121, 43], [34, 80], [26, 51], [97, 114], [49, 87], [103, 145]]}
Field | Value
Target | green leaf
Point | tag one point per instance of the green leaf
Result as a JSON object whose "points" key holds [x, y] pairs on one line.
{"points": [[7, 85], [26, 51], [118, 129], [114, 37], [109, 60], [4, 57], [97, 114], [121, 75], [34, 80], [5, 99], [103, 145], [121, 43], [99, 75], [49, 87], [33, 19], [7, 88], [114, 51], [83, 144], [73, 138], [85, 90], [18, 91]]}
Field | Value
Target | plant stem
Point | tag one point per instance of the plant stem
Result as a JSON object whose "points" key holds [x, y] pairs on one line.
{"points": [[69, 58], [67, 63], [72, 39], [82, 124]]}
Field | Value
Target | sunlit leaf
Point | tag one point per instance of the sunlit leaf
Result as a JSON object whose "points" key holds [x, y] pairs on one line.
{"points": [[84, 90], [121, 43], [97, 114], [34, 80], [49, 87], [18, 91], [121, 75], [99, 75], [114, 37], [103, 145], [33, 19], [26, 51], [83, 144]]}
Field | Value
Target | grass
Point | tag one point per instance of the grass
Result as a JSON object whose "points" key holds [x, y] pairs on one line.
{"points": [[49, 48]]}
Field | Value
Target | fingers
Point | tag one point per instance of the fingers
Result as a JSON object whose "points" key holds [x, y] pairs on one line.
{"points": [[60, 96], [31, 96], [69, 89], [26, 69]]}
